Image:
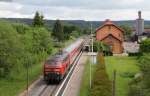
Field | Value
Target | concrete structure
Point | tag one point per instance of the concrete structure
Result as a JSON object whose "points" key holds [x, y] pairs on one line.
{"points": [[139, 24], [112, 35], [131, 47], [141, 33]]}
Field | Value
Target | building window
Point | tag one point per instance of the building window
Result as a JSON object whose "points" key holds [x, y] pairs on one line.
{"points": [[109, 37]]}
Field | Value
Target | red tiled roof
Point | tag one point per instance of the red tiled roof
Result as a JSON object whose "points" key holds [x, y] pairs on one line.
{"points": [[109, 22]]}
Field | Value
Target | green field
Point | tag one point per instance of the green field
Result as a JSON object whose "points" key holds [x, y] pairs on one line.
{"points": [[126, 68]]}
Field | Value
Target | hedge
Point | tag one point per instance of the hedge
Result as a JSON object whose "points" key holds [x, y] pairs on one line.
{"points": [[101, 85]]}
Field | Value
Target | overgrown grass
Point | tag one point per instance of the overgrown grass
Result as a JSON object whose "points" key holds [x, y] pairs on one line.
{"points": [[85, 83], [126, 68], [12, 87]]}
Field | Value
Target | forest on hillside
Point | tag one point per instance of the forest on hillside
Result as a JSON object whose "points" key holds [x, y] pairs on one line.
{"points": [[79, 23]]}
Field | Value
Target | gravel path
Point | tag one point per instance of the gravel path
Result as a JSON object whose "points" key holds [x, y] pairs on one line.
{"points": [[35, 88], [73, 86]]}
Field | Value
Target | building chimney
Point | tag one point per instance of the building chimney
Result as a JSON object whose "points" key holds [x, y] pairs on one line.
{"points": [[139, 13]]}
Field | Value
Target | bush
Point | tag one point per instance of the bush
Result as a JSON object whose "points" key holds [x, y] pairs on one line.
{"points": [[140, 86], [21, 28], [101, 85], [128, 75], [145, 46], [106, 48], [134, 54], [135, 90], [144, 63]]}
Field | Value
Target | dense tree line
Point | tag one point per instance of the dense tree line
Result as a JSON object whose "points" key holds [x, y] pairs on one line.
{"points": [[21, 45], [62, 32]]}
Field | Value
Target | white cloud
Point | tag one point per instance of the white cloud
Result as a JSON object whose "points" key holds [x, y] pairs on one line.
{"points": [[76, 9], [131, 1], [10, 6]]}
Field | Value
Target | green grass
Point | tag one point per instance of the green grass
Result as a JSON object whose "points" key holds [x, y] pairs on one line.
{"points": [[124, 66], [85, 87], [13, 87]]}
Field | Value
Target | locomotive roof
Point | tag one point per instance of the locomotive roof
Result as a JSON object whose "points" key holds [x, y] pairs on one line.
{"points": [[58, 57], [72, 46]]}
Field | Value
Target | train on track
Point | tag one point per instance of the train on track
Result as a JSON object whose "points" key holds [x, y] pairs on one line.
{"points": [[57, 66]]}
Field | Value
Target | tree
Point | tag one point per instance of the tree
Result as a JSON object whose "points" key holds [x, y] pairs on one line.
{"points": [[127, 31], [75, 34], [21, 28], [99, 46], [10, 48], [145, 46], [58, 32], [41, 40], [71, 30], [86, 31], [38, 20], [67, 31]]}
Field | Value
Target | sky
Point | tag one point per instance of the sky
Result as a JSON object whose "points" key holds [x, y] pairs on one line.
{"points": [[90, 10]]}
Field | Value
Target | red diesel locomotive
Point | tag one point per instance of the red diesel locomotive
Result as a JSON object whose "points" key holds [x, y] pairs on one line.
{"points": [[57, 66]]}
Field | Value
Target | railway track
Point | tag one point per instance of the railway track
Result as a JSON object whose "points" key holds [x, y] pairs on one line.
{"points": [[58, 90], [48, 90]]}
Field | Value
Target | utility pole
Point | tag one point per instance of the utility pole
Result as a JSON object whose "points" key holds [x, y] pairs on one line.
{"points": [[114, 84], [92, 37], [91, 56], [27, 79], [27, 76]]}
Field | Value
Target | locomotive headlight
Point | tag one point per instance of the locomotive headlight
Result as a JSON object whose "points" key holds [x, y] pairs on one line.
{"points": [[56, 69], [46, 65]]}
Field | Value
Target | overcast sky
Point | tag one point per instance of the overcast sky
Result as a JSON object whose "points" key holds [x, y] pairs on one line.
{"points": [[76, 9]]}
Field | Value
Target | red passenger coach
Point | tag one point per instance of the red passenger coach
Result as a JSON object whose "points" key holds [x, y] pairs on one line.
{"points": [[57, 66]]}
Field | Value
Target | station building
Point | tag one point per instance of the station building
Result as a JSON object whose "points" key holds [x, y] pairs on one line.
{"points": [[112, 35]]}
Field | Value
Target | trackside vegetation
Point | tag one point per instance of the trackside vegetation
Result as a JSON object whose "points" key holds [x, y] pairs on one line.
{"points": [[24, 47], [101, 85], [21, 47], [85, 83]]}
